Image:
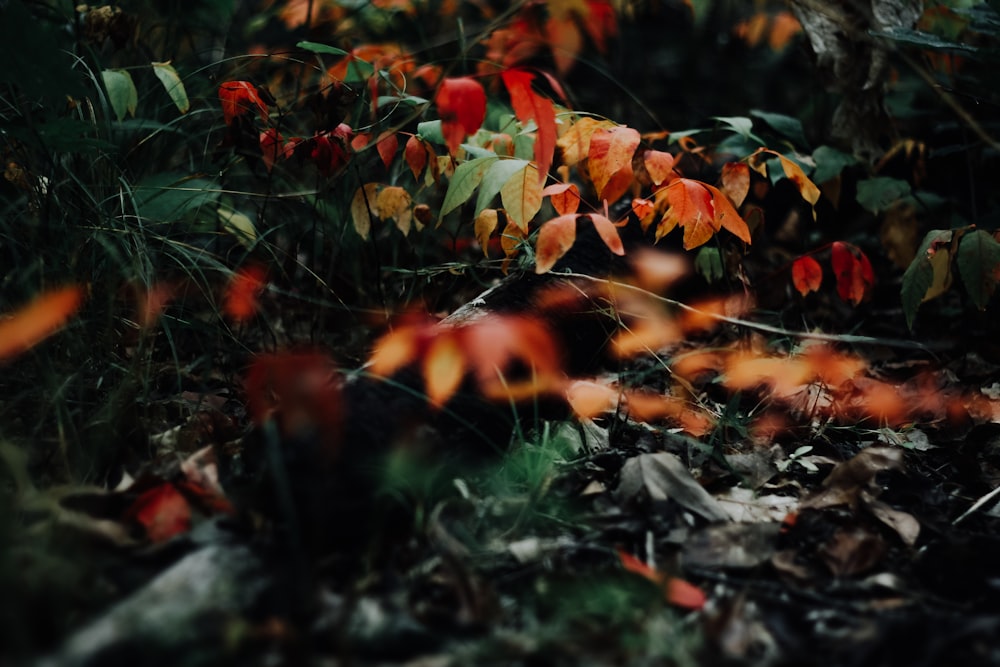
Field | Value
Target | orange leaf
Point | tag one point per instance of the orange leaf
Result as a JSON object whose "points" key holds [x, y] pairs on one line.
{"points": [[736, 181], [38, 320], [659, 165], [632, 564], [855, 277], [415, 155], [238, 98], [692, 208], [807, 275], [600, 22], [589, 399], [241, 294], [608, 233], [461, 103], [565, 197], [646, 407], [611, 149], [514, 358], [644, 210], [680, 593], [655, 271], [443, 369], [564, 38], [574, 144], [162, 511], [528, 105], [786, 375], [555, 238], [726, 216]]}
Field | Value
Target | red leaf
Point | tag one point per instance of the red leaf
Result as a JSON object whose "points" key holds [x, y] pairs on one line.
{"points": [[242, 292], [807, 275], [271, 147], [853, 271], [528, 105], [299, 390], [608, 233], [162, 511], [331, 150], [386, 148], [415, 155], [238, 98], [38, 320], [461, 103]]}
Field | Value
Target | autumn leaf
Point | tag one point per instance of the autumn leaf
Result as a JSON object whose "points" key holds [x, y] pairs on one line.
{"points": [[162, 511], [726, 216], [565, 39], [240, 97], [929, 274], [564, 197], [528, 105], [590, 399], [855, 277], [415, 155], [393, 202], [574, 144], [363, 206], [386, 146], [35, 322], [691, 207], [555, 238], [807, 275], [514, 358], [611, 150], [484, 226], [736, 181], [461, 104], [645, 210], [271, 147], [677, 591], [522, 196], [443, 369], [793, 172], [242, 292], [659, 165]]}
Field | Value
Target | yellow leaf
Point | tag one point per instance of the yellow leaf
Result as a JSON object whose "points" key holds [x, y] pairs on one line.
{"points": [[522, 196], [574, 144], [394, 202], [486, 223], [363, 207]]}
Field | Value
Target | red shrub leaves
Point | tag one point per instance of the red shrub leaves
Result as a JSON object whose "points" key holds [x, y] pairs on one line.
{"points": [[461, 103], [241, 97], [241, 294], [529, 105], [807, 275], [855, 277]]}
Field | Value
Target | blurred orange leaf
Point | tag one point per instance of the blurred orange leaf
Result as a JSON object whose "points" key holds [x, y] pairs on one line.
{"points": [[443, 369], [677, 591], [240, 97], [35, 322]]}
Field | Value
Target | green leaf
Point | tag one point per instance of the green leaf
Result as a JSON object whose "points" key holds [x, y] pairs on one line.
{"points": [[167, 197], [464, 182], [121, 92], [171, 81], [978, 260], [926, 40], [741, 125], [879, 193], [498, 174], [316, 47], [709, 263], [239, 226], [785, 125], [430, 130], [829, 163]]}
